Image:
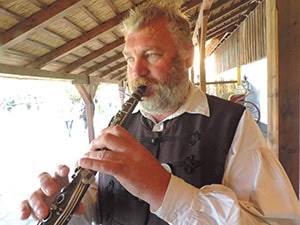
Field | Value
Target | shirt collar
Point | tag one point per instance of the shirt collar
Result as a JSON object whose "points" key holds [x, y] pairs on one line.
{"points": [[196, 102]]}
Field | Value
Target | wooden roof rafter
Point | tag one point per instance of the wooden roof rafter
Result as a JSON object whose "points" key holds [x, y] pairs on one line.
{"points": [[107, 72], [40, 19], [112, 6], [102, 64], [76, 43], [11, 14], [81, 37], [38, 4], [71, 67]]}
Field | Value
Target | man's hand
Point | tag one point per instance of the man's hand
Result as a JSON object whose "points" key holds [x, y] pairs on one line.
{"points": [[130, 163], [37, 204]]}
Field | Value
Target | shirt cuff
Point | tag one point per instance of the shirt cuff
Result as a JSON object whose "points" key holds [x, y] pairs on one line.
{"points": [[177, 201]]}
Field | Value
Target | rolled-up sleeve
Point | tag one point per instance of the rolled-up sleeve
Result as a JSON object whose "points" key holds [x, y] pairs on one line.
{"points": [[186, 205], [255, 188]]}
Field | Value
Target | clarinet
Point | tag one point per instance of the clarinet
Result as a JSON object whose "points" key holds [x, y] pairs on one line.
{"points": [[66, 202]]}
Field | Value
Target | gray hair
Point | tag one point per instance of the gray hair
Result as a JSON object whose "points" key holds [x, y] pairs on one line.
{"points": [[143, 14]]}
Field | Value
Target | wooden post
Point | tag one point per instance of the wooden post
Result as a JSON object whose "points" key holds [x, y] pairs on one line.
{"points": [[122, 90], [283, 54], [238, 75], [87, 92], [200, 36]]}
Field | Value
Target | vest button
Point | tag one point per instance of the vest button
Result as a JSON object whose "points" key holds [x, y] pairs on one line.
{"points": [[154, 141], [167, 167]]}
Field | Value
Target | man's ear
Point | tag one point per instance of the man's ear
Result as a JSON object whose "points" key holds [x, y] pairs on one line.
{"points": [[189, 57]]}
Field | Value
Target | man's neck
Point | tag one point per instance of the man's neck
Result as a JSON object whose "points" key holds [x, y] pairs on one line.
{"points": [[160, 117]]}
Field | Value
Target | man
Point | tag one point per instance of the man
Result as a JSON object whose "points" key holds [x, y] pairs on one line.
{"points": [[185, 157]]}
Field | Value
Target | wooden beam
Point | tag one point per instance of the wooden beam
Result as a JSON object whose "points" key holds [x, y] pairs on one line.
{"points": [[230, 10], [112, 69], [226, 28], [54, 34], [40, 19], [87, 92], [103, 63], [77, 42], [38, 4], [229, 23], [23, 72], [112, 6], [288, 87], [97, 80], [71, 67], [204, 6], [189, 5], [202, 44], [199, 38], [215, 43], [72, 25], [117, 74], [224, 21], [10, 14], [283, 54], [90, 14]]}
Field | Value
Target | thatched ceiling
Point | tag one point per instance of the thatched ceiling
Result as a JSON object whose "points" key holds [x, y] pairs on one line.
{"points": [[81, 40]]}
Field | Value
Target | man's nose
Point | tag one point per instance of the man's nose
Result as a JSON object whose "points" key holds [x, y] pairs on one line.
{"points": [[139, 67]]}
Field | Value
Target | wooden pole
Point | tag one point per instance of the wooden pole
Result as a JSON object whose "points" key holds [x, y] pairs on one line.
{"points": [[238, 75], [87, 92], [200, 34], [283, 54]]}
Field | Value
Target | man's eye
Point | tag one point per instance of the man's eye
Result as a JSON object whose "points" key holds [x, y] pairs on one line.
{"points": [[153, 56], [129, 59]]}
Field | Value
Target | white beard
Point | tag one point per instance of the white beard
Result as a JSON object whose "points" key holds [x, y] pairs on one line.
{"points": [[167, 95]]}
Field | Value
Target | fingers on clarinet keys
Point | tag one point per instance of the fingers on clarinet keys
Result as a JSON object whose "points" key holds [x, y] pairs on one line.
{"points": [[47, 218], [54, 206], [87, 177]]}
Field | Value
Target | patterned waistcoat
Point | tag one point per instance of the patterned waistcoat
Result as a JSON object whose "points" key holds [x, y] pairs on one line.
{"points": [[193, 145]]}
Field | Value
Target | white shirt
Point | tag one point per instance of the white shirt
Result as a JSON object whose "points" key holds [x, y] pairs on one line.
{"points": [[255, 188]]}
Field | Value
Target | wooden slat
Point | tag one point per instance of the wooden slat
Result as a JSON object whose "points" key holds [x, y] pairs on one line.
{"points": [[90, 14], [228, 28], [112, 6], [74, 26], [117, 74], [38, 4], [230, 10], [40, 19], [112, 69], [77, 42], [10, 14], [94, 55], [102, 64]]}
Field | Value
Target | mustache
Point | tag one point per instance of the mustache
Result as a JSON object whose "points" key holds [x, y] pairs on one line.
{"points": [[142, 81]]}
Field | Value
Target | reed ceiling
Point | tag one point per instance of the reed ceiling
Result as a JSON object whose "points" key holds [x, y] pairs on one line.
{"points": [[81, 40]]}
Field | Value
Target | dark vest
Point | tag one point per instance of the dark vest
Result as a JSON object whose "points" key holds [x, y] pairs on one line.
{"points": [[193, 145]]}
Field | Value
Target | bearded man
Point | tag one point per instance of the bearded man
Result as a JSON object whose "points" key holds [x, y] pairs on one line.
{"points": [[184, 157]]}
